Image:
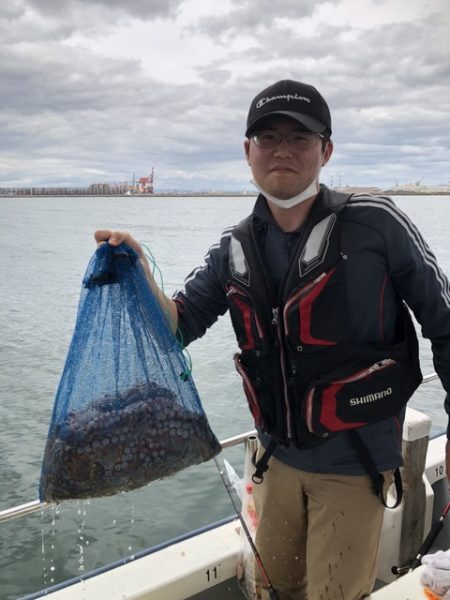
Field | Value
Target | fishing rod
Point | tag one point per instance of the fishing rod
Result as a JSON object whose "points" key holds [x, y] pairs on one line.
{"points": [[272, 592], [426, 545]]}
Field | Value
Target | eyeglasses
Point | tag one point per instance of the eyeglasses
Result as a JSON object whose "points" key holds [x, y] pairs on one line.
{"points": [[297, 139]]}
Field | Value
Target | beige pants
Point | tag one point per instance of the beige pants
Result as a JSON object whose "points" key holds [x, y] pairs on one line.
{"points": [[317, 534]]}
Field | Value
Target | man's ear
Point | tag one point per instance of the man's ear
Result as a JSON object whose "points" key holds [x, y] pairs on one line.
{"points": [[247, 150], [327, 152]]}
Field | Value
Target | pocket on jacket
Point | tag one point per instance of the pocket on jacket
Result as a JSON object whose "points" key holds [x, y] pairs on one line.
{"points": [[367, 394]]}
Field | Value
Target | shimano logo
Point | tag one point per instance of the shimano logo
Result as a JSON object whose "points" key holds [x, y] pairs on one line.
{"points": [[370, 397], [262, 101]]}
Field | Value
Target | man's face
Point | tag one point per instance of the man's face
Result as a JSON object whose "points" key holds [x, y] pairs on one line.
{"points": [[285, 171]]}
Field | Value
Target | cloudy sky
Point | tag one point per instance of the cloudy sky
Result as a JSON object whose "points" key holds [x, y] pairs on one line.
{"points": [[96, 90]]}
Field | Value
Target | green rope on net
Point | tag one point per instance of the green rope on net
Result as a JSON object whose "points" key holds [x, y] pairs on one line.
{"points": [[178, 334]]}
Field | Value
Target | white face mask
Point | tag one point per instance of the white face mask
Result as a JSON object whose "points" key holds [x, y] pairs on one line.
{"points": [[312, 190]]}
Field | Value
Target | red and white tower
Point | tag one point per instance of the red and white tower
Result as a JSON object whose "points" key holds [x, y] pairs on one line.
{"points": [[146, 184]]}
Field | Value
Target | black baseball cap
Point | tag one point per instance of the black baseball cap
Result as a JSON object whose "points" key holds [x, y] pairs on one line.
{"points": [[298, 100]]}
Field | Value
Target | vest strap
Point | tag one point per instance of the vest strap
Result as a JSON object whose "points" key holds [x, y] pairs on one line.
{"points": [[367, 461], [375, 475], [261, 466]]}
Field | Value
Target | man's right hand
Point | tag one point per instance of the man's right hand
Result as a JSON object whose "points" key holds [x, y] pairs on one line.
{"points": [[115, 238]]}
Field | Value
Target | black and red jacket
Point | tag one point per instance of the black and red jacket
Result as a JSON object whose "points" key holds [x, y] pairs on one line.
{"points": [[380, 262], [304, 376]]}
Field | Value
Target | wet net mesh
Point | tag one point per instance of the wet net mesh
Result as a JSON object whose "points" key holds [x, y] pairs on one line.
{"points": [[126, 410]]}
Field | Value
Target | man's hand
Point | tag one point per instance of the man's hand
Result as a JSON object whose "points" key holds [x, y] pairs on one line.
{"points": [[115, 238]]}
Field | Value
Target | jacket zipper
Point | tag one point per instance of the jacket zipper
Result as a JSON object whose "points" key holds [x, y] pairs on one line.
{"points": [[378, 366], [276, 322]]}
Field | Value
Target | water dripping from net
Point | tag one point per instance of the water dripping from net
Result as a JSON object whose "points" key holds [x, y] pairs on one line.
{"points": [[48, 545], [132, 520], [44, 562], [52, 568], [82, 510]]}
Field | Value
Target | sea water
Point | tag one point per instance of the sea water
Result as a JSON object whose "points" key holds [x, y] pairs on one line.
{"points": [[45, 246]]}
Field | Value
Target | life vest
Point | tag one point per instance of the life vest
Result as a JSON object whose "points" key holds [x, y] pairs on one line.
{"points": [[305, 379]]}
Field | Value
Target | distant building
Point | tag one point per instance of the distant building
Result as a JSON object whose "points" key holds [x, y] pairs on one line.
{"points": [[145, 184], [108, 189]]}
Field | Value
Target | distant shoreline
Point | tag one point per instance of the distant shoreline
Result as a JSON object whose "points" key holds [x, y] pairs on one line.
{"points": [[408, 193], [224, 194], [155, 195]]}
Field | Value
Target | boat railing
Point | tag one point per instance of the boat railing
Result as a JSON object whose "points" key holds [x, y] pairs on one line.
{"points": [[36, 505]]}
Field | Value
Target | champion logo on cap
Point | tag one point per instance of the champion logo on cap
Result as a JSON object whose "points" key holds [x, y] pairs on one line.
{"points": [[287, 97]]}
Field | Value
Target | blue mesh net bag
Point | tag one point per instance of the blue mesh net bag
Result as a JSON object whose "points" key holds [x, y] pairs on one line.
{"points": [[126, 411]]}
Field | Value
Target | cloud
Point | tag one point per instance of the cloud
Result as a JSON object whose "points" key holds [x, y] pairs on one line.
{"points": [[251, 16], [12, 10], [136, 8], [43, 20]]}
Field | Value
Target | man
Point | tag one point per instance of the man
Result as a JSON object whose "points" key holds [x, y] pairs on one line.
{"points": [[316, 283]]}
